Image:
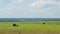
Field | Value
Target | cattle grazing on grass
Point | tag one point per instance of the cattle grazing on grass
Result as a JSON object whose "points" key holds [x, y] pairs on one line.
{"points": [[44, 23], [15, 25]]}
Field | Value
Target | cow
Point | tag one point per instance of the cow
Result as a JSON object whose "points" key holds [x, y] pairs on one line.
{"points": [[44, 23], [14, 25]]}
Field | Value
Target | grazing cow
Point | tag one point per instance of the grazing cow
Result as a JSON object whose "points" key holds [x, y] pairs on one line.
{"points": [[15, 25], [44, 23]]}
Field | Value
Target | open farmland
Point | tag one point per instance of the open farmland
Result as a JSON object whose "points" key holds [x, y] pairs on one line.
{"points": [[50, 27]]}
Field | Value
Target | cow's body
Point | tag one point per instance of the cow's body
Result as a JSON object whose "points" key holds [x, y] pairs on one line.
{"points": [[15, 25]]}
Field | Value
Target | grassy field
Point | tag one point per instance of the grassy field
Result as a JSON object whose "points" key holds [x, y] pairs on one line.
{"points": [[53, 26]]}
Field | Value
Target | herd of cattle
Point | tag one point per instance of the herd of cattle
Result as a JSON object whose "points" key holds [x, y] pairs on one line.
{"points": [[15, 25]]}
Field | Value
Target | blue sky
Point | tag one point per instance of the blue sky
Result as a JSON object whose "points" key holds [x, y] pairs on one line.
{"points": [[29, 8]]}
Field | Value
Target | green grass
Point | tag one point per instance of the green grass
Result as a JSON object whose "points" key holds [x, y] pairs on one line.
{"points": [[32, 26]]}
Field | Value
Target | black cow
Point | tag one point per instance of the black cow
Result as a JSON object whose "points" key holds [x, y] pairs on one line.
{"points": [[15, 25], [44, 23]]}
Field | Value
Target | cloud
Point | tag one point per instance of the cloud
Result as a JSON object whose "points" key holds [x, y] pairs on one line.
{"points": [[11, 6], [17, 1], [44, 8], [8, 9], [43, 3], [35, 9]]}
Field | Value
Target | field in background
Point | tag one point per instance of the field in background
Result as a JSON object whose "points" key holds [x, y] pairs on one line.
{"points": [[50, 27]]}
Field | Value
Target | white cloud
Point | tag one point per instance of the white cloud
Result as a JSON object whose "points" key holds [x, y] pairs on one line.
{"points": [[9, 9], [42, 3], [44, 8], [17, 1], [37, 4], [6, 11], [38, 8]]}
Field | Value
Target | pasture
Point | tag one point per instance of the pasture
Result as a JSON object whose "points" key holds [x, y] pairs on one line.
{"points": [[50, 27]]}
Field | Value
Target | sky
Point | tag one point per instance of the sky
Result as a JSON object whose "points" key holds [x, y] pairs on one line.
{"points": [[29, 8]]}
